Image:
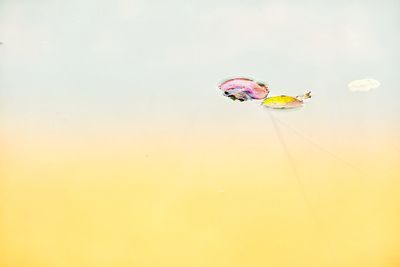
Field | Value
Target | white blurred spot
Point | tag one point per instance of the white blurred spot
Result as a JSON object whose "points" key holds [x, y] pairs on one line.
{"points": [[363, 85], [221, 191]]}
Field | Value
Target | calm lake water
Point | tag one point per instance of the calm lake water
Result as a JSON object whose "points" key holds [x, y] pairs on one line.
{"points": [[118, 148]]}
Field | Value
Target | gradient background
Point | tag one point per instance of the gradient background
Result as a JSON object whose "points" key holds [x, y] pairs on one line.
{"points": [[117, 148]]}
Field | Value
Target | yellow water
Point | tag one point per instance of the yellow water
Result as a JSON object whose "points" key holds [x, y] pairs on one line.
{"points": [[161, 202]]}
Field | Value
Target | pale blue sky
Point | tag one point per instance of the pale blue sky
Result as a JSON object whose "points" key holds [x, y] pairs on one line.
{"points": [[139, 61]]}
